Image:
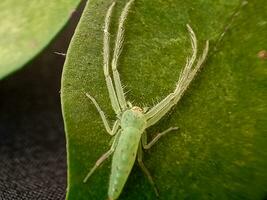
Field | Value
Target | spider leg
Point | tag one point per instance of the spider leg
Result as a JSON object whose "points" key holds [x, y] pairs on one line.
{"points": [[144, 169], [103, 157], [185, 78], [117, 51], [103, 117], [106, 51], [147, 145]]}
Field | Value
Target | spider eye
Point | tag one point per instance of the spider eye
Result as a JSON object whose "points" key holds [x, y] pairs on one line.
{"points": [[129, 104], [145, 109]]}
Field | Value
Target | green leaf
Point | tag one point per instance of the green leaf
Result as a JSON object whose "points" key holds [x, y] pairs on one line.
{"points": [[220, 151], [27, 27]]}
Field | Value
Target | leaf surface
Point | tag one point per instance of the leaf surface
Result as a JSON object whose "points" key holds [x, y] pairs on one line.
{"points": [[220, 149]]}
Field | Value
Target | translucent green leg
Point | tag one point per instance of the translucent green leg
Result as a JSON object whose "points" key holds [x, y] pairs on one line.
{"points": [[104, 119], [116, 54], [106, 51], [144, 169], [155, 139], [186, 76], [103, 157]]}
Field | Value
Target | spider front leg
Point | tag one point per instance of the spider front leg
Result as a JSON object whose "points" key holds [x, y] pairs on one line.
{"points": [[116, 94], [117, 51], [106, 51], [103, 117], [186, 77]]}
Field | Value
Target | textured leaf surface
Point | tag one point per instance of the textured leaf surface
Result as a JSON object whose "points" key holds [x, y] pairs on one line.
{"points": [[26, 27], [220, 150]]}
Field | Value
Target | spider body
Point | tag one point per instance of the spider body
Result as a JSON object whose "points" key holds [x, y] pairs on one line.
{"points": [[133, 124], [129, 129]]}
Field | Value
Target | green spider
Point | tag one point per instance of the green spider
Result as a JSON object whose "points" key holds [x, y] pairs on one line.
{"points": [[129, 129]]}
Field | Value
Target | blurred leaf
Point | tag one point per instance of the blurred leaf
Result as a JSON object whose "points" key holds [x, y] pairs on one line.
{"points": [[220, 151], [26, 27]]}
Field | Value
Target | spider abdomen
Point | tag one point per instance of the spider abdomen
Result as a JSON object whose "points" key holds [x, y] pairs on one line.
{"points": [[123, 160]]}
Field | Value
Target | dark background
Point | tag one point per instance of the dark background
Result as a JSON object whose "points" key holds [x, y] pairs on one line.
{"points": [[32, 139]]}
